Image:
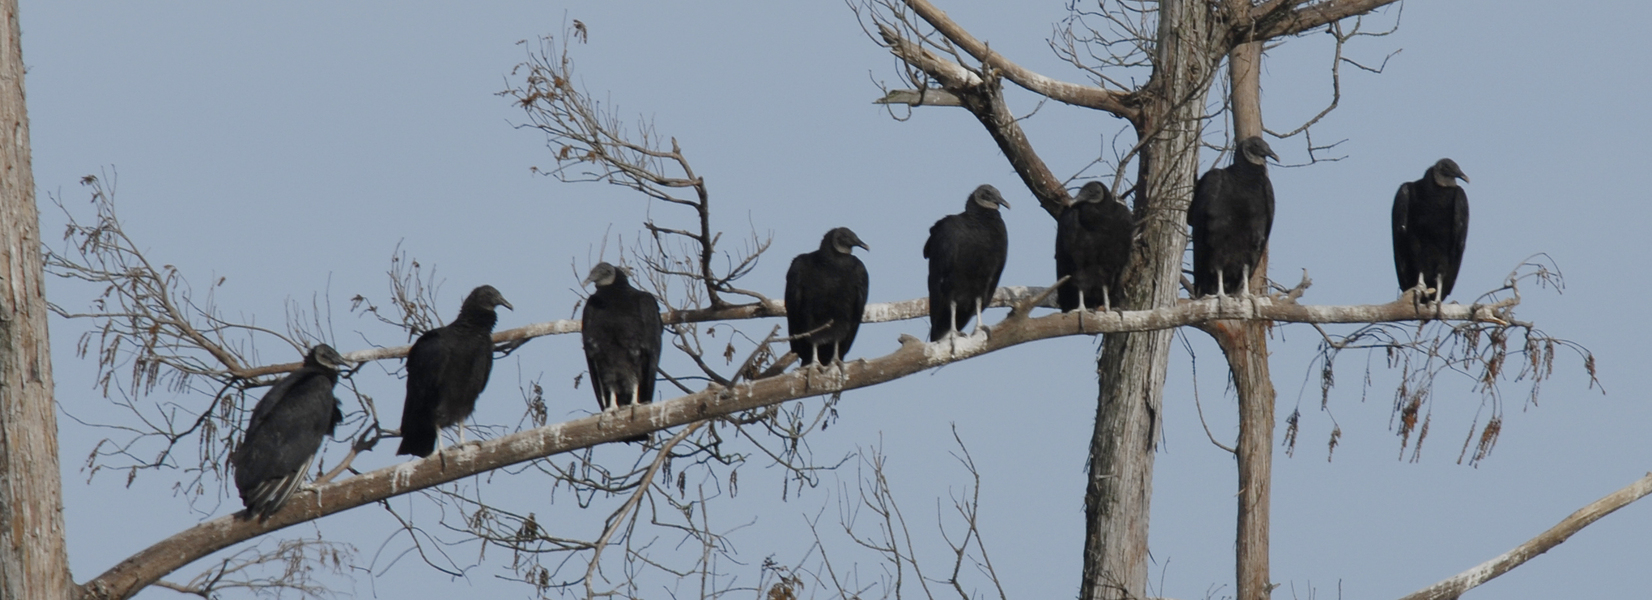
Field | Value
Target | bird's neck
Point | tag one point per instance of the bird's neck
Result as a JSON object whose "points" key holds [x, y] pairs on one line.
{"points": [[477, 318], [1248, 171]]}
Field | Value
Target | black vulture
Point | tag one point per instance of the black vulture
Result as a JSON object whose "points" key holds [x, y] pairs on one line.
{"points": [[966, 255], [1231, 215], [1092, 247], [287, 428], [1430, 229], [621, 329], [826, 288], [447, 369]]}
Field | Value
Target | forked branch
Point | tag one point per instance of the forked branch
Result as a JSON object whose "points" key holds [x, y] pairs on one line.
{"points": [[1120, 104]]}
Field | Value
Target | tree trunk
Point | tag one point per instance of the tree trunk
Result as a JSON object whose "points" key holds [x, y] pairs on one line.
{"points": [[1132, 366], [33, 563], [1245, 344]]}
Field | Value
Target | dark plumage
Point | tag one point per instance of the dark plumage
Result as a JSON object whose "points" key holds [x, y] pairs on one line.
{"points": [[621, 329], [447, 369], [1092, 246], [1231, 216], [1430, 230], [828, 285], [966, 255], [287, 428]]}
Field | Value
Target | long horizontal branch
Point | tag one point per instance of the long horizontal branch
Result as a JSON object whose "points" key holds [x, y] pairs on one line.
{"points": [[1116, 102], [149, 565], [1454, 587], [1185, 313], [1277, 18]]}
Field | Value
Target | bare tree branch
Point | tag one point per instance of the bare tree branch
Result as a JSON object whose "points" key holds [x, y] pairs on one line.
{"points": [[913, 356], [1279, 18], [1188, 312], [982, 95], [1118, 103], [1454, 587]]}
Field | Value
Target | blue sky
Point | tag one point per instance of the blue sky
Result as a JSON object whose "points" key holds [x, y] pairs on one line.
{"points": [[291, 148]]}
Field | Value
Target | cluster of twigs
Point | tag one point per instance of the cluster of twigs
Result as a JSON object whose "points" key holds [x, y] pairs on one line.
{"points": [[286, 567], [1480, 351]]}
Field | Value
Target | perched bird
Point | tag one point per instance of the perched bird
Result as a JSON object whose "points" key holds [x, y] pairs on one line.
{"points": [[1430, 230], [966, 255], [621, 329], [287, 428], [826, 288], [447, 369], [1231, 216], [1092, 247]]}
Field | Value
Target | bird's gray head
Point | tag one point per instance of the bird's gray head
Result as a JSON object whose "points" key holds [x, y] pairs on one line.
{"points": [[988, 197], [486, 298], [1446, 173], [604, 275], [843, 241], [325, 356], [1094, 191], [1256, 151]]}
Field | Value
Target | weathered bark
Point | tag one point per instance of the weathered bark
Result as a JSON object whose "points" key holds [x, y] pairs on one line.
{"points": [[1246, 347], [1245, 344], [33, 562], [1132, 366]]}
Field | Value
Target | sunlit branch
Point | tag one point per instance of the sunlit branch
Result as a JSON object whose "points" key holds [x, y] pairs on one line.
{"points": [[1183, 314], [1454, 587]]}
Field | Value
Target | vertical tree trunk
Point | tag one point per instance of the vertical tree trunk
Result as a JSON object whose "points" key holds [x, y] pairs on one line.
{"points": [[1132, 366], [33, 563], [1245, 344]]}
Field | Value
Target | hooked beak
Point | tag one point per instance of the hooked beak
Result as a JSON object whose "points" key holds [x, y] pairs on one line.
{"points": [[863, 245], [1002, 202], [506, 303]]}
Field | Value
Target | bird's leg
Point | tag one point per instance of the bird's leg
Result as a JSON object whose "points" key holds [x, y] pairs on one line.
{"points": [[1439, 293], [1081, 309], [1106, 302], [1221, 279], [461, 433], [1418, 292], [952, 323], [978, 323], [1244, 281]]}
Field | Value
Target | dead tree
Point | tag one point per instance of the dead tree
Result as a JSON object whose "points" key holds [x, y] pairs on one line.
{"points": [[154, 329], [33, 560], [1178, 45]]}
